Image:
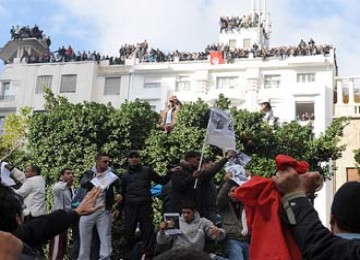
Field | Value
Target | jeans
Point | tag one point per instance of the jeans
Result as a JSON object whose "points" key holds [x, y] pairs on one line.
{"points": [[102, 220], [237, 249]]}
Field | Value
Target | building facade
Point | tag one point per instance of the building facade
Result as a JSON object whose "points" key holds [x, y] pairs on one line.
{"points": [[299, 86], [348, 104]]}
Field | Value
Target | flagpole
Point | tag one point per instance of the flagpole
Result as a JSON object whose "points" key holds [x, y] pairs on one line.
{"points": [[200, 162], [202, 152]]}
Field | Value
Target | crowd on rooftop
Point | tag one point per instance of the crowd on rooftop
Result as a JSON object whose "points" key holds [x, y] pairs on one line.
{"points": [[142, 53]]}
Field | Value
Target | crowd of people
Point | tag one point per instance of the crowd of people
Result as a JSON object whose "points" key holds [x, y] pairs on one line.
{"points": [[229, 54], [143, 54], [305, 117], [19, 33], [235, 23], [188, 192]]}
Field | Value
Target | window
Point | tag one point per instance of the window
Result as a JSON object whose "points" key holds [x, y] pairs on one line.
{"points": [[304, 111], [183, 84], [305, 77], [68, 84], [232, 44], [272, 81], [246, 43], [152, 82], [226, 82], [112, 86], [152, 85], [41, 82], [5, 91]]}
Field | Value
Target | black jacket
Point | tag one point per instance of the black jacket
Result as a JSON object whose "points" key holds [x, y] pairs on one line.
{"points": [[40, 230], [207, 190], [183, 193], [316, 242], [109, 192], [136, 184]]}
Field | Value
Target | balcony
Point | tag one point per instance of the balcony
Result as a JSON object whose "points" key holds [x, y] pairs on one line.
{"points": [[7, 102]]}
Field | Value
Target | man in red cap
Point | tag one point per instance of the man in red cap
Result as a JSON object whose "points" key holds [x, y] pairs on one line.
{"points": [[168, 117], [314, 240]]}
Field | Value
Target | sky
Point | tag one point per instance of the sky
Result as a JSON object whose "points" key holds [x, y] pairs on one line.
{"points": [[184, 25]]}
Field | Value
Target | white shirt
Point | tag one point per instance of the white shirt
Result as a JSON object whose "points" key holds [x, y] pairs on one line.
{"points": [[33, 192], [62, 196], [168, 117]]}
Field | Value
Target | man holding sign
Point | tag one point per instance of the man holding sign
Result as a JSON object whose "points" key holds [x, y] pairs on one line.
{"points": [[102, 177]]}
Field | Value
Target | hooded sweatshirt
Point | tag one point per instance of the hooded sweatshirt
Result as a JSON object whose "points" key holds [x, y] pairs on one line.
{"points": [[192, 236]]}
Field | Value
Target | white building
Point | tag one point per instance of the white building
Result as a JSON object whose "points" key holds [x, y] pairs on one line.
{"points": [[295, 85], [348, 104]]}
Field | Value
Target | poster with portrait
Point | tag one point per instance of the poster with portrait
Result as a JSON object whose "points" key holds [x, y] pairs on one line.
{"points": [[173, 223], [236, 166]]}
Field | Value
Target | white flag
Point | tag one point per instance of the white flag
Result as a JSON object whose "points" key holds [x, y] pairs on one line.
{"points": [[5, 176], [220, 131]]}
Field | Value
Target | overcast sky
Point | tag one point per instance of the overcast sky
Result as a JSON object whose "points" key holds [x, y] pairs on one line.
{"points": [[186, 25]]}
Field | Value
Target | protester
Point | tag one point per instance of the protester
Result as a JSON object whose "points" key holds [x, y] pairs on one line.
{"points": [[184, 190], [102, 176], [265, 108], [168, 117], [193, 230], [206, 185], [32, 191], [39, 230], [136, 185], [62, 193], [263, 200], [315, 240], [231, 211], [182, 182], [79, 195]]}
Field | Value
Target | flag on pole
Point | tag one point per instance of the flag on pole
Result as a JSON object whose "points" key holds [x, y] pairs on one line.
{"points": [[220, 131], [216, 57]]}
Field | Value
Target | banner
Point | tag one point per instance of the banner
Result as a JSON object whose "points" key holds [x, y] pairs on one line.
{"points": [[236, 166], [216, 57], [220, 131]]}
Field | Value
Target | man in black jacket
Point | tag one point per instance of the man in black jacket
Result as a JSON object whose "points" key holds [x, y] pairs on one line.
{"points": [[183, 184], [315, 240], [38, 231], [99, 176], [135, 189]]}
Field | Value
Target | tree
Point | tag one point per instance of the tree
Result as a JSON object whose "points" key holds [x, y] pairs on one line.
{"points": [[70, 134], [13, 138], [253, 136]]}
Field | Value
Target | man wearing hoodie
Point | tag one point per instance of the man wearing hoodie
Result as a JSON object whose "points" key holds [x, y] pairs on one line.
{"points": [[135, 189], [193, 231]]}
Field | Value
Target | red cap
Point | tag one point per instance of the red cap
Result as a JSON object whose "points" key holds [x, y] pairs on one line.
{"points": [[282, 161], [302, 167]]}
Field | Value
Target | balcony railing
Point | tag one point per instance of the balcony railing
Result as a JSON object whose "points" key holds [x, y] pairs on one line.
{"points": [[7, 97]]}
